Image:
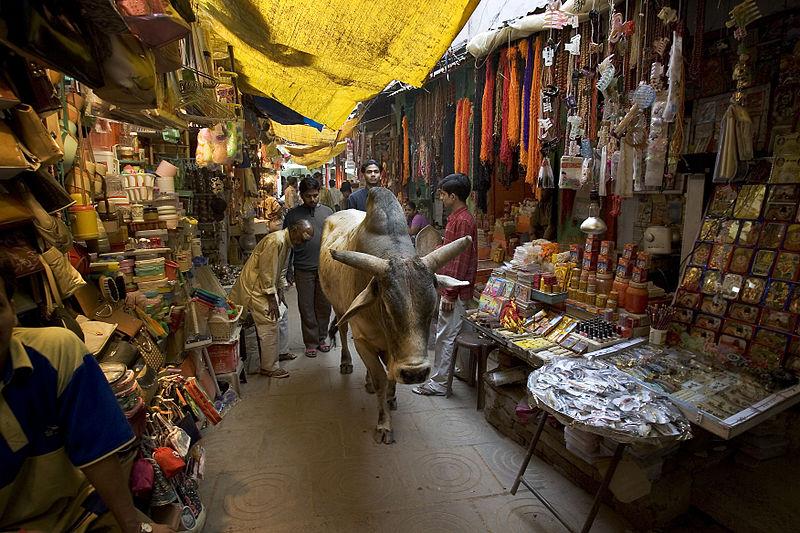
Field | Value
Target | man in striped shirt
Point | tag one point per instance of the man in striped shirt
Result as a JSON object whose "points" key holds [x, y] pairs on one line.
{"points": [[453, 192]]}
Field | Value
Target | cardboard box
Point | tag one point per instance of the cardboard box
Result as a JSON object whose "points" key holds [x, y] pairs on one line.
{"points": [[630, 251], [607, 248]]}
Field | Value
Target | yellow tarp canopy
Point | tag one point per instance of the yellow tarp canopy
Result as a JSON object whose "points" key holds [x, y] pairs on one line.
{"points": [[302, 134], [321, 58], [314, 156]]}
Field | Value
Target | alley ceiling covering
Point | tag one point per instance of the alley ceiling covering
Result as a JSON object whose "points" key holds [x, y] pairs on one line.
{"points": [[321, 58]]}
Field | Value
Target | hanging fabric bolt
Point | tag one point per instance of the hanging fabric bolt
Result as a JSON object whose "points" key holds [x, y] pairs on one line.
{"points": [[406, 152]]}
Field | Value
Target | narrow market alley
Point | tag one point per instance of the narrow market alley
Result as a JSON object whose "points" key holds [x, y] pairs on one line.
{"points": [[297, 455]]}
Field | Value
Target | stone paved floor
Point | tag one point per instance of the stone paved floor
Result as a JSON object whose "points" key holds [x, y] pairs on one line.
{"points": [[297, 455]]}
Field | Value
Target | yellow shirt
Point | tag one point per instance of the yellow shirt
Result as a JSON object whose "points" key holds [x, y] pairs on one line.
{"points": [[261, 275]]}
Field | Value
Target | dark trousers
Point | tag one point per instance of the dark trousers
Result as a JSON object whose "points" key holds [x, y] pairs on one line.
{"points": [[315, 310]]}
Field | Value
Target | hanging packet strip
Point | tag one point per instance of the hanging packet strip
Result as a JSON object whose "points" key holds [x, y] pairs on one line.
{"points": [[571, 172]]}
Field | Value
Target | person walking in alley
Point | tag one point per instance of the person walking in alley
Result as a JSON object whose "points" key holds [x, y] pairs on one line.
{"points": [[347, 190], [290, 198], [259, 289], [315, 310], [372, 176], [453, 192]]}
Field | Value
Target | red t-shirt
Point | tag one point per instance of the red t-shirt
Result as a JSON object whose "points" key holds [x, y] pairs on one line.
{"points": [[460, 224]]}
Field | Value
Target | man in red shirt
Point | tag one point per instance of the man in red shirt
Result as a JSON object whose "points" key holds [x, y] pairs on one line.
{"points": [[453, 192]]}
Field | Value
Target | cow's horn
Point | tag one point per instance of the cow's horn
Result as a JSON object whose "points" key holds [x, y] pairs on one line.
{"points": [[440, 256], [365, 262]]}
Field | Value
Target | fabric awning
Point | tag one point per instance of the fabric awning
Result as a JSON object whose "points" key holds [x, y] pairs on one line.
{"points": [[306, 135], [315, 156], [322, 58]]}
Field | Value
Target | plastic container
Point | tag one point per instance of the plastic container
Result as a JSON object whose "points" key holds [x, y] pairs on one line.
{"points": [[636, 298], [224, 357], [221, 326], [171, 270], [84, 222]]}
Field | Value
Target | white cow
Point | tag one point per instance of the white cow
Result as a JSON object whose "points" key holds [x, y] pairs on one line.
{"points": [[375, 281]]}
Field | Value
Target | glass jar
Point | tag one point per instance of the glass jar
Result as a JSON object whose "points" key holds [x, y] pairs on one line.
{"points": [[620, 286], [612, 301], [601, 300], [604, 283], [636, 298], [150, 214]]}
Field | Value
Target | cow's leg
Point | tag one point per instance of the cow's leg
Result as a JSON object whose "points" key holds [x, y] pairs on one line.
{"points": [[375, 370], [391, 398], [368, 386], [346, 365]]}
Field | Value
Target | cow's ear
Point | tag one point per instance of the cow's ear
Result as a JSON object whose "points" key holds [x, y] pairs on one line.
{"points": [[364, 299]]}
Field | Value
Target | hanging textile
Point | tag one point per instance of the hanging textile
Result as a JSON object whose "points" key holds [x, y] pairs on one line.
{"points": [[406, 151], [513, 97], [506, 151], [487, 117], [534, 149]]}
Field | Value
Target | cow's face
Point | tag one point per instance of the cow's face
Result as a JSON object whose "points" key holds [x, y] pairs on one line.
{"points": [[407, 298], [405, 291]]}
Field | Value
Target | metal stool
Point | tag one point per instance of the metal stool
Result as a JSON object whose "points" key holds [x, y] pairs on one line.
{"points": [[479, 350]]}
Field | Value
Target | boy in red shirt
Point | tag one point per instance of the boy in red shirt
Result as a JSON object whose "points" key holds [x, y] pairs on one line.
{"points": [[453, 192]]}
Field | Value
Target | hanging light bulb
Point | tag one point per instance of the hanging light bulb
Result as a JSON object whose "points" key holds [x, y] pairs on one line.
{"points": [[594, 225]]}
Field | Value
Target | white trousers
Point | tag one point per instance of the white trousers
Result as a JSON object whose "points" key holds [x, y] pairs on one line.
{"points": [[448, 326], [283, 331]]}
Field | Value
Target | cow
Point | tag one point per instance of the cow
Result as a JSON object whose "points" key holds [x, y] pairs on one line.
{"points": [[385, 293]]}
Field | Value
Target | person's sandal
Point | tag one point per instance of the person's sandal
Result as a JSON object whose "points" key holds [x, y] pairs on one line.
{"points": [[276, 374], [311, 352], [324, 347], [287, 357]]}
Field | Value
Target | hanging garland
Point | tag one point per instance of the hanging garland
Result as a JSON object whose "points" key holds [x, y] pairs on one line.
{"points": [[506, 152], [487, 115], [406, 150], [457, 137], [466, 155], [534, 148], [500, 80], [527, 46], [513, 98]]}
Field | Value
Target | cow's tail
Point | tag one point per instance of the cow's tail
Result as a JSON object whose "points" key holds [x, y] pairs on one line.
{"points": [[333, 330]]}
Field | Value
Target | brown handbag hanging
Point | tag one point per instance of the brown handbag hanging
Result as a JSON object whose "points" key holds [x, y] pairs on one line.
{"points": [[15, 158], [34, 135]]}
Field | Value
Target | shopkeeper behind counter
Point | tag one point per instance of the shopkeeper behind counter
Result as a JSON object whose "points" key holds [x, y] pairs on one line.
{"points": [[60, 430]]}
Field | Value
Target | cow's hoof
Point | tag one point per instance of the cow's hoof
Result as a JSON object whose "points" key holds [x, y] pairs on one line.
{"points": [[384, 436], [369, 388], [392, 402], [346, 368]]}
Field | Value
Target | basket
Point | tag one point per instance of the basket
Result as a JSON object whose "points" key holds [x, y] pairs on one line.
{"points": [[220, 326], [224, 357]]}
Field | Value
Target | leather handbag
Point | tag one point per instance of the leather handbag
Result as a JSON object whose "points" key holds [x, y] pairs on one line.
{"points": [[67, 279], [14, 157], [55, 33], [155, 22], [121, 352], [31, 84], [23, 255], [130, 75], [51, 228], [169, 461], [47, 190], [55, 314], [7, 97], [13, 209], [34, 135]]}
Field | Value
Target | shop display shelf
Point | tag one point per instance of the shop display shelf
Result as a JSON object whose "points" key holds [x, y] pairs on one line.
{"points": [[548, 298]]}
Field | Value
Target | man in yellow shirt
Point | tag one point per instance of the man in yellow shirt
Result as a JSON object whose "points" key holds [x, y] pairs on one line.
{"points": [[260, 289]]}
